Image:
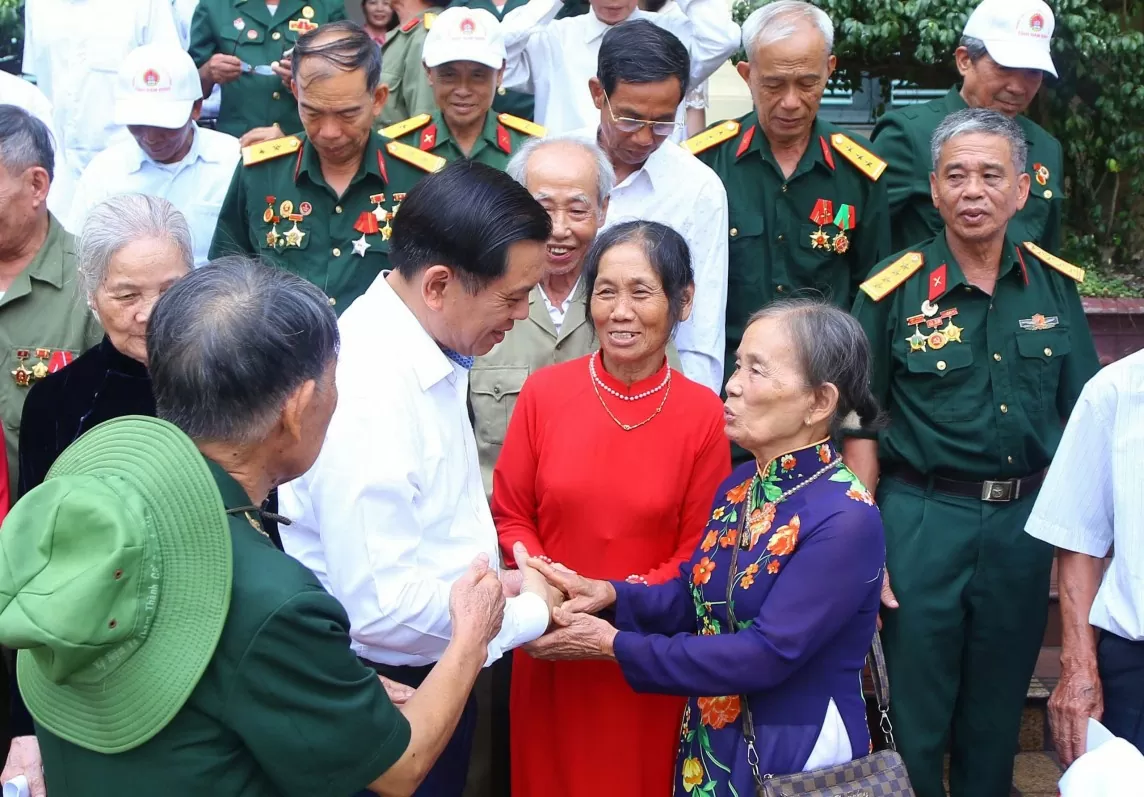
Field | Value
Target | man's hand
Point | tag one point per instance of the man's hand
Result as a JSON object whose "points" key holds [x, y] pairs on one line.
{"points": [[533, 581], [576, 636], [584, 594], [223, 68], [259, 134], [1077, 697], [24, 759], [476, 601], [398, 692], [284, 67], [888, 599]]}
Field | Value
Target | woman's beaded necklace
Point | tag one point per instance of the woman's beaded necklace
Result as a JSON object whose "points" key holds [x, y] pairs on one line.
{"points": [[834, 463], [628, 427], [596, 378]]}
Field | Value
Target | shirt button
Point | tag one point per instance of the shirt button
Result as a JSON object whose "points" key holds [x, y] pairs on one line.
{"points": [[1048, 194], [337, 208], [1004, 408], [734, 231], [337, 252], [1010, 460], [496, 390], [941, 365], [333, 301], [1048, 352], [276, 35], [780, 289], [275, 96], [785, 188], [782, 237]]}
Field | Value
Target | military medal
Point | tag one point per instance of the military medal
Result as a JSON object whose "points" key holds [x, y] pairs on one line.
{"points": [[929, 309], [917, 341], [268, 214], [308, 12], [239, 23], [397, 200], [293, 235], [22, 375], [286, 209], [936, 340], [59, 360], [952, 332], [822, 214], [1041, 173], [844, 220], [366, 224], [305, 208], [379, 213], [274, 238]]}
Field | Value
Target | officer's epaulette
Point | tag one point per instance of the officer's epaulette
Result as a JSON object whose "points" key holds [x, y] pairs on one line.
{"points": [[866, 161], [1054, 262], [408, 126], [893, 275], [426, 161], [704, 141], [522, 125], [427, 18], [268, 150]]}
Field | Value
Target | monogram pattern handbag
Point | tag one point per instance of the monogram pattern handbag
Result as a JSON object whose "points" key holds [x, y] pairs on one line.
{"points": [[880, 774]]}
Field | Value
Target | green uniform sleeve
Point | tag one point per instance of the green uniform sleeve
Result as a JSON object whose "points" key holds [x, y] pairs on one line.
{"points": [[1082, 361], [1051, 237], [874, 318], [231, 236], [202, 45], [315, 717], [874, 244], [417, 92], [892, 144]]}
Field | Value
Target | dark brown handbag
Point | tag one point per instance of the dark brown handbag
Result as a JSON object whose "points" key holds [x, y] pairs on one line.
{"points": [[880, 774]]}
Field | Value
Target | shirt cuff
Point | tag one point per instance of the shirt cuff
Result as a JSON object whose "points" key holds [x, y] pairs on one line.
{"points": [[525, 618]]}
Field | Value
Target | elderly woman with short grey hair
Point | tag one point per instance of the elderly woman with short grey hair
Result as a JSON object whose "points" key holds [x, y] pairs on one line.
{"points": [[132, 248]]}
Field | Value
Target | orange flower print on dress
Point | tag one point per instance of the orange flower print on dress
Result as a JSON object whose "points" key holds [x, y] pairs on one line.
{"points": [[760, 521], [862, 495], [701, 573], [749, 576], [736, 495], [824, 453], [717, 514], [709, 541], [692, 773], [718, 712], [773, 566], [787, 462], [782, 542]]}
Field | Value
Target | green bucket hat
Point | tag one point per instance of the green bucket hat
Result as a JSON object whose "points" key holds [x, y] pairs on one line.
{"points": [[115, 579]]}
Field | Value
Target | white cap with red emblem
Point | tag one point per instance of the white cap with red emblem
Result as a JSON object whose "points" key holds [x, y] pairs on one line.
{"points": [[157, 86], [465, 34], [1016, 33]]}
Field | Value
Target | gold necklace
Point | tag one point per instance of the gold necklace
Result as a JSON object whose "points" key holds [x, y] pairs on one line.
{"points": [[628, 427]]}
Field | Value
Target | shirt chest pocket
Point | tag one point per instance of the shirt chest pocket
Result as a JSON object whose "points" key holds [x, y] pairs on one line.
{"points": [[941, 378], [495, 391], [1039, 366], [747, 275]]}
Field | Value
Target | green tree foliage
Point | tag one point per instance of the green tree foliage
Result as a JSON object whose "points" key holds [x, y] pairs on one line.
{"points": [[11, 34], [1095, 107]]}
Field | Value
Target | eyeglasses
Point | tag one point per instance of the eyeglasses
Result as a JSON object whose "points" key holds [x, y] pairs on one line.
{"points": [[626, 125]]}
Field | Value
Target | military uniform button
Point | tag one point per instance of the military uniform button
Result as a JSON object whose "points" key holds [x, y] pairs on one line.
{"points": [[941, 365], [1004, 408], [997, 356], [1048, 352], [275, 96], [337, 208], [1010, 460], [337, 252], [780, 289], [1048, 194], [782, 237], [276, 35], [785, 186], [496, 390], [734, 231], [333, 301]]}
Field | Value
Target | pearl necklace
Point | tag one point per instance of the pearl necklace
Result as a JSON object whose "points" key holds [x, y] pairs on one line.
{"points": [[834, 463], [597, 380], [628, 427]]}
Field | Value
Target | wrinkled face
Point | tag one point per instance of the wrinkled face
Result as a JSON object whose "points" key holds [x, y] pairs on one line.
{"points": [[475, 322], [562, 178], [976, 187], [336, 109], [20, 201], [990, 85], [612, 12], [621, 135], [768, 400], [138, 274], [162, 144], [787, 78], [377, 13], [464, 91], [630, 309]]}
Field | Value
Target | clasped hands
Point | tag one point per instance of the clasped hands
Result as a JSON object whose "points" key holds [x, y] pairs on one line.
{"points": [[574, 631]]}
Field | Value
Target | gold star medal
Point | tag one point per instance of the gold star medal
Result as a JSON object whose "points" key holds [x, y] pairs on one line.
{"points": [[952, 332], [822, 214], [917, 341], [293, 235], [273, 238], [22, 375]]}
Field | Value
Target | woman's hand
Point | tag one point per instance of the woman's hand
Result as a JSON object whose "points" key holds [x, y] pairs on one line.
{"points": [[584, 594], [575, 637]]}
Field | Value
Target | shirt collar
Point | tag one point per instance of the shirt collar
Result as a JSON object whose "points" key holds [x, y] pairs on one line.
{"points": [[488, 132], [941, 262], [310, 165], [137, 157], [814, 156], [429, 361], [233, 494], [795, 467], [48, 264], [595, 29]]}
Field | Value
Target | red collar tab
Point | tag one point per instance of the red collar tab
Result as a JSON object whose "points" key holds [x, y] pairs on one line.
{"points": [[745, 141], [381, 167], [937, 282], [1021, 260], [827, 155], [429, 137], [503, 140]]}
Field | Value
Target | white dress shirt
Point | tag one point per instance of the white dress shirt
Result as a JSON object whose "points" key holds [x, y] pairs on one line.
{"points": [[554, 58], [15, 91], [394, 510], [73, 49], [196, 185], [677, 189], [1092, 501], [557, 312]]}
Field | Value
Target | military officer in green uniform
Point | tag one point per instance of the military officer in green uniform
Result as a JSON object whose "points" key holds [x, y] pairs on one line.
{"points": [[1003, 57], [806, 203], [235, 44], [464, 56], [979, 348], [320, 204], [44, 323], [409, 91]]}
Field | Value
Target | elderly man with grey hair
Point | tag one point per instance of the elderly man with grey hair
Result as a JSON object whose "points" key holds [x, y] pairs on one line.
{"points": [[979, 350], [1003, 56]]}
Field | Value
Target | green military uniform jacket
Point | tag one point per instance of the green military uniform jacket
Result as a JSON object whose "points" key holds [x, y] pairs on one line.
{"points": [[280, 208], [246, 29], [44, 325], [902, 138], [502, 136], [775, 248], [283, 708], [976, 386], [403, 71]]}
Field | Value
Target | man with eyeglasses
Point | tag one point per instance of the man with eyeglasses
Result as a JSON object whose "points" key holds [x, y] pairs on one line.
{"points": [[642, 76], [808, 210]]}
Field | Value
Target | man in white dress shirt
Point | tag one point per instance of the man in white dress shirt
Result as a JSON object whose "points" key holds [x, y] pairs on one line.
{"points": [[640, 82], [73, 49], [1092, 505], [159, 98], [16, 91], [554, 58], [394, 509]]}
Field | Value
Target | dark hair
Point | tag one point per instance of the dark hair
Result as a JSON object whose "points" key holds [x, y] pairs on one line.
{"points": [[230, 342], [666, 251], [349, 52], [465, 216], [25, 142], [831, 347], [638, 51]]}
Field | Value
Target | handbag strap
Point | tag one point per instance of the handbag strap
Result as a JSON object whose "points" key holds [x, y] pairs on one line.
{"points": [[876, 659]]}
